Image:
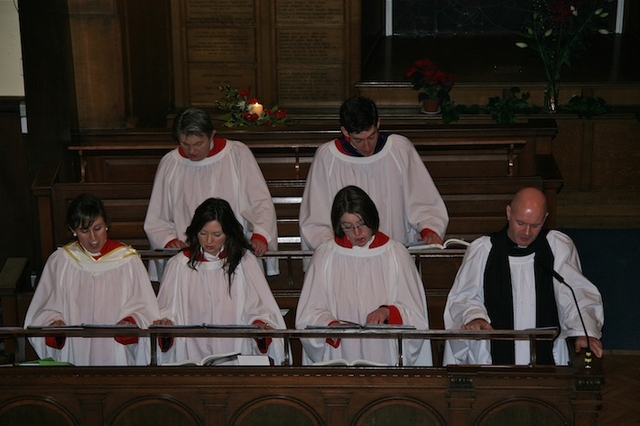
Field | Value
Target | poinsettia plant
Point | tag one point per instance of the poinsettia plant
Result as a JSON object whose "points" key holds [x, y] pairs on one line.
{"points": [[429, 80], [240, 110]]}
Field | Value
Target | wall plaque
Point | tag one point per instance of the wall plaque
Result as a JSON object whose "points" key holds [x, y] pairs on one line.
{"points": [[310, 46], [220, 11], [311, 87], [304, 12], [221, 45]]}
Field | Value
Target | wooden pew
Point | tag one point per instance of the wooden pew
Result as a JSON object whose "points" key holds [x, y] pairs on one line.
{"points": [[477, 169], [247, 396]]}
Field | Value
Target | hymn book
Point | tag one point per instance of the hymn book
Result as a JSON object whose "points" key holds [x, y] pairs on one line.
{"points": [[214, 359], [450, 243]]}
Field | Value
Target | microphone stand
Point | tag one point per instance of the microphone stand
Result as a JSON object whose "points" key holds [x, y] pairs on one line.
{"points": [[588, 356]]}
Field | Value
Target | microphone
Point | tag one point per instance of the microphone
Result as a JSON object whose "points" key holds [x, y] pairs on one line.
{"points": [[588, 356]]}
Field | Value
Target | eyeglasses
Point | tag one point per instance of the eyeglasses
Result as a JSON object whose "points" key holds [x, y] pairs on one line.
{"points": [[348, 227]]}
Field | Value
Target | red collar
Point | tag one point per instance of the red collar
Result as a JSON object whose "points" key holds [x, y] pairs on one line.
{"points": [[218, 145], [379, 239], [108, 247]]}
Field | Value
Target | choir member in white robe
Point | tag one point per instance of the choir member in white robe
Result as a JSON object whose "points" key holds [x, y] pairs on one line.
{"points": [[205, 166], [466, 306], [386, 166], [217, 280], [94, 280], [362, 276]]}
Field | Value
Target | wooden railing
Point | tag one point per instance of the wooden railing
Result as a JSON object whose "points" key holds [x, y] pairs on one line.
{"points": [[247, 396]]}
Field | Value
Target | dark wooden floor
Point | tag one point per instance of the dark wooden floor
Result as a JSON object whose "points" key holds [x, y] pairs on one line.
{"points": [[493, 59], [621, 390]]}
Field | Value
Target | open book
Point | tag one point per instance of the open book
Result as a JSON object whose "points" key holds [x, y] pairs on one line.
{"points": [[354, 363], [450, 243], [215, 359], [349, 324]]}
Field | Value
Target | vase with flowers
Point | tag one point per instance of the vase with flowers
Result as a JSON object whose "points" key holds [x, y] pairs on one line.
{"points": [[432, 83], [559, 31], [241, 110]]}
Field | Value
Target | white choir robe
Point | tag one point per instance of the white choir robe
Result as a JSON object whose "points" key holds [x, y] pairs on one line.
{"points": [[466, 301], [347, 284], [396, 179], [76, 288], [181, 185], [202, 296]]}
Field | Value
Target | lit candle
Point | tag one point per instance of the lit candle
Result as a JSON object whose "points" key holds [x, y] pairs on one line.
{"points": [[257, 108]]}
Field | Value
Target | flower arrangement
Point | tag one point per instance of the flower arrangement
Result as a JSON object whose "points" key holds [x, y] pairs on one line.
{"points": [[433, 83], [240, 110], [559, 29]]}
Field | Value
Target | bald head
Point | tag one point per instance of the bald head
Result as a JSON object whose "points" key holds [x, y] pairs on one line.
{"points": [[526, 215]]}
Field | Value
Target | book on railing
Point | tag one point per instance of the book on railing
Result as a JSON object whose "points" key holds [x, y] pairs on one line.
{"points": [[232, 326], [109, 325], [450, 243], [349, 324], [176, 326], [54, 327], [45, 362], [214, 359], [354, 363]]}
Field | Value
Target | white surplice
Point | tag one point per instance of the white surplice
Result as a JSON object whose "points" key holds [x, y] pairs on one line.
{"points": [[466, 301], [347, 284], [395, 178], [181, 185], [203, 296], [76, 288]]}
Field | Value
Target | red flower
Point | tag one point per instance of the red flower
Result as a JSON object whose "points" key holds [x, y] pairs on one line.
{"points": [[281, 114], [243, 93], [253, 101]]}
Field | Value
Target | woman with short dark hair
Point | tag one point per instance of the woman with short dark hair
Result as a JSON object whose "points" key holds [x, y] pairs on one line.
{"points": [[93, 280]]}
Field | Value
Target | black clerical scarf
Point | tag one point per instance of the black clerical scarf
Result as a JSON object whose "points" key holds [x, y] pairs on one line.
{"points": [[346, 146], [498, 295]]}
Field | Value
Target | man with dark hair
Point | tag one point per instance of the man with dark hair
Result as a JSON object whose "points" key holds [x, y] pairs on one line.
{"points": [[386, 166], [201, 167], [506, 282]]}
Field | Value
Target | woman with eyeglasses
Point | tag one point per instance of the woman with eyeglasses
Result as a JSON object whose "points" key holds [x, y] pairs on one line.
{"points": [[362, 277]]}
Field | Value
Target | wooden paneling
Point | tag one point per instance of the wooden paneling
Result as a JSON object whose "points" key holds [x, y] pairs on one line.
{"points": [[600, 162], [97, 63], [16, 227], [248, 396]]}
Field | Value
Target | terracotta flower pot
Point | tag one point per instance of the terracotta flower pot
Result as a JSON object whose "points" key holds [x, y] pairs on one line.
{"points": [[431, 105]]}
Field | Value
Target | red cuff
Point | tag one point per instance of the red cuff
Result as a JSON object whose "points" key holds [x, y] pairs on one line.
{"points": [[171, 242], [263, 344], [259, 237], [56, 342], [425, 232], [129, 340], [394, 315], [331, 341]]}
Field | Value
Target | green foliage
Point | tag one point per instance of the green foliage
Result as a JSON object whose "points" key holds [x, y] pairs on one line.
{"points": [[449, 112], [586, 107], [503, 110]]}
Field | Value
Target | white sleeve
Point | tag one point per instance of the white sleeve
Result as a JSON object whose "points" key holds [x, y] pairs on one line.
{"points": [[315, 208], [254, 199], [159, 223], [423, 203], [567, 264]]}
